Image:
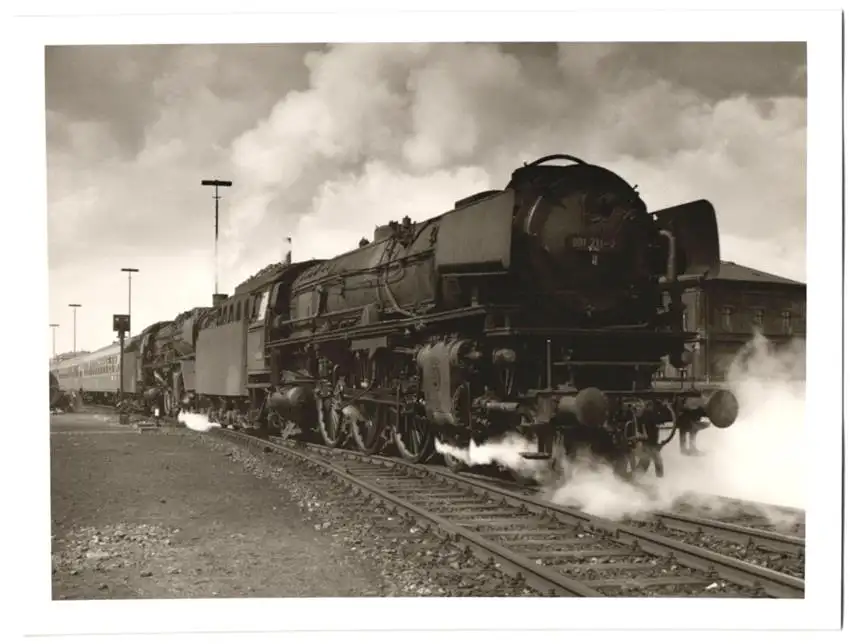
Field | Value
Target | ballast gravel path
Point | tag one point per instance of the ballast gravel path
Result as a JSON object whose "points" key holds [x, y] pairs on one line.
{"points": [[413, 562], [158, 515], [173, 513]]}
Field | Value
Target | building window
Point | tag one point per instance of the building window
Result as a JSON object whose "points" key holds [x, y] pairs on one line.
{"points": [[787, 327], [685, 320], [758, 318], [726, 318]]}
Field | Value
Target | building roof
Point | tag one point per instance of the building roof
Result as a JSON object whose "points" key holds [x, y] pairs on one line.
{"points": [[732, 272]]}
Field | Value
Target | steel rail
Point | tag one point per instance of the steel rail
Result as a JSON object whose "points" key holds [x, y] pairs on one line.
{"points": [[768, 539], [756, 505], [775, 541], [746, 574], [535, 575], [775, 583]]}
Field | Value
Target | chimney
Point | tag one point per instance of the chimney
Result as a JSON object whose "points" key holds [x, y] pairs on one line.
{"points": [[383, 232], [287, 258]]}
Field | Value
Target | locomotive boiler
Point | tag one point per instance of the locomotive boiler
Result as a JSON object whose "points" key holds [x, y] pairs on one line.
{"points": [[545, 308]]}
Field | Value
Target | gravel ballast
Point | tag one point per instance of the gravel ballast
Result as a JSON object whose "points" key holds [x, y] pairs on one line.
{"points": [[174, 513], [412, 561]]}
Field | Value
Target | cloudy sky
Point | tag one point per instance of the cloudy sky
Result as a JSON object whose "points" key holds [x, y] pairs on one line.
{"points": [[325, 142]]}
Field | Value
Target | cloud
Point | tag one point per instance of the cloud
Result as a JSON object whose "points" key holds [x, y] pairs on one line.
{"points": [[427, 109], [325, 143]]}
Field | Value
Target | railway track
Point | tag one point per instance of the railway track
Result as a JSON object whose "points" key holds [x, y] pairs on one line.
{"points": [[751, 514], [767, 536], [554, 549], [771, 536]]}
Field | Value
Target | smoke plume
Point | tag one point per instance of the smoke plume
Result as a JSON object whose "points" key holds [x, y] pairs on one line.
{"points": [[325, 142], [505, 452], [759, 458], [196, 422], [388, 130]]}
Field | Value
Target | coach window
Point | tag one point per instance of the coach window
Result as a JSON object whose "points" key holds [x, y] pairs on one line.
{"points": [[758, 318]]}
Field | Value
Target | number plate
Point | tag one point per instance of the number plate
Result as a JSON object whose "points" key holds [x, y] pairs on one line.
{"points": [[591, 244]]}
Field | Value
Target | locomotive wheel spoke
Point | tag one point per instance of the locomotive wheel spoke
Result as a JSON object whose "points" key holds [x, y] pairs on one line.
{"points": [[412, 436], [368, 431], [330, 424]]}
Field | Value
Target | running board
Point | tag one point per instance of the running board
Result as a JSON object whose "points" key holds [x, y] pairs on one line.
{"points": [[536, 456]]}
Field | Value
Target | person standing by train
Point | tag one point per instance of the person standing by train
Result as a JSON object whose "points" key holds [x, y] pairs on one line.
{"points": [[688, 429], [158, 405]]}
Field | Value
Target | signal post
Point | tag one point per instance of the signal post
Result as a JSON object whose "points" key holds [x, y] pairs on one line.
{"points": [[121, 325]]}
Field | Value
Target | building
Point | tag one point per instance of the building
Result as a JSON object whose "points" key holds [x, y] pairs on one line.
{"points": [[727, 309]]}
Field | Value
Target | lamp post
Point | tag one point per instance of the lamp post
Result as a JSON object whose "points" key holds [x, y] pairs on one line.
{"points": [[75, 307], [216, 183], [53, 327], [130, 272], [124, 328]]}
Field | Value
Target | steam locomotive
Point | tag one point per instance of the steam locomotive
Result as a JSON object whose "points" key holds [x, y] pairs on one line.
{"points": [[545, 308]]}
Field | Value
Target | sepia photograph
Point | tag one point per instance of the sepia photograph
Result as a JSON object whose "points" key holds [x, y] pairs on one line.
{"points": [[436, 318]]}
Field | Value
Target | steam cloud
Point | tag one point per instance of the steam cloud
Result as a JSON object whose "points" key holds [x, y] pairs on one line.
{"points": [[385, 131], [323, 143], [505, 452], [196, 422], [757, 459]]}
